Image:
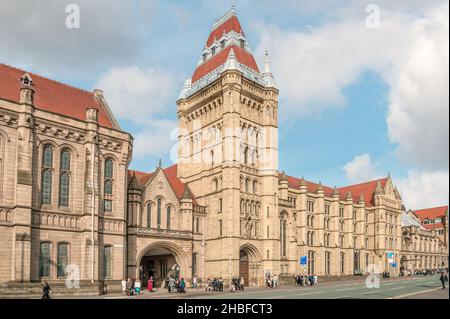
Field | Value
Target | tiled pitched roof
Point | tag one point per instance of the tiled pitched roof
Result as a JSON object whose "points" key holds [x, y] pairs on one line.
{"points": [[52, 96], [366, 189], [171, 175], [232, 24], [220, 58], [431, 213]]}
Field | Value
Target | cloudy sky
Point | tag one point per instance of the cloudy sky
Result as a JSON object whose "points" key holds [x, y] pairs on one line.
{"points": [[359, 96]]}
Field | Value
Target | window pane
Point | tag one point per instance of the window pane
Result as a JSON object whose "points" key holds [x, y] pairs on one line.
{"points": [[64, 190], [109, 168], [158, 213], [149, 215], [168, 217], [47, 160], [63, 259], [65, 160], [44, 260], [107, 205], [107, 262], [46, 186], [108, 187]]}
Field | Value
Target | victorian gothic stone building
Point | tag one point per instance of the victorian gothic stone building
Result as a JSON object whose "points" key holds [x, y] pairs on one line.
{"points": [[69, 204]]}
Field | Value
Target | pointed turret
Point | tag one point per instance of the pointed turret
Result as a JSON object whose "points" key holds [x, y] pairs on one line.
{"points": [[267, 75], [231, 63], [349, 196], [335, 192], [361, 199], [187, 193], [134, 184], [378, 189]]}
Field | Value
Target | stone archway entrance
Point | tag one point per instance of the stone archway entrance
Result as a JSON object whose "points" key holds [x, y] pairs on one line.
{"points": [[243, 266], [161, 260], [250, 265]]}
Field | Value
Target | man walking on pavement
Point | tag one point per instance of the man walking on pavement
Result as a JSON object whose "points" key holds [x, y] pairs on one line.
{"points": [[443, 279]]}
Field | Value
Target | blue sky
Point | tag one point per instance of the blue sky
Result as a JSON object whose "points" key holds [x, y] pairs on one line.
{"points": [[355, 102]]}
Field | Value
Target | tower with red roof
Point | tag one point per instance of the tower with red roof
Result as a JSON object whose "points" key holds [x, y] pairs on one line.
{"points": [[228, 146]]}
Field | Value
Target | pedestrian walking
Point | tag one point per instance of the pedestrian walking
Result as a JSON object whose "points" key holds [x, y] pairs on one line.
{"points": [[46, 291], [124, 286], [194, 281], [443, 279], [182, 286], [241, 283], [150, 284], [137, 287], [315, 279]]}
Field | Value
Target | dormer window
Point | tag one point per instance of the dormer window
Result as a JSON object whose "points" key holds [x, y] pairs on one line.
{"points": [[26, 79], [222, 44], [204, 57], [213, 50], [242, 42]]}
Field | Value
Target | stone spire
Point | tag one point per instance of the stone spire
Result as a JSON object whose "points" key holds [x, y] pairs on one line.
{"points": [[26, 89], [320, 188], [186, 87], [283, 177], [231, 63], [349, 197], [134, 184], [302, 182], [268, 76], [361, 199], [186, 193], [335, 191]]}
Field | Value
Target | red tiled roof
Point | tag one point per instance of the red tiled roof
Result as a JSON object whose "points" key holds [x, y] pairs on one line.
{"points": [[171, 175], [433, 226], [431, 213], [220, 58], [52, 96], [367, 189], [232, 24]]}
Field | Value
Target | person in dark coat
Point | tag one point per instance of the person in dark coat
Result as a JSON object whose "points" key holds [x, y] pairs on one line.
{"points": [[443, 279], [46, 291]]}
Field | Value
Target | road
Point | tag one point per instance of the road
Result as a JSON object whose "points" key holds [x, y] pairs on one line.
{"points": [[389, 289]]}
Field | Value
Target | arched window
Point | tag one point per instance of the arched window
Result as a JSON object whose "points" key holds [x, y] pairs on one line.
{"points": [[169, 211], [108, 184], [149, 215], [64, 178], [62, 260], [246, 155], [247, 182], [44, 259], [158, 212], [283, 235], [47, 172], [215, 185], [254, 186]]}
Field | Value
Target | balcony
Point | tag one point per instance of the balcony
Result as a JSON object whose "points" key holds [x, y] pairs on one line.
{"points": [[163, 233]]}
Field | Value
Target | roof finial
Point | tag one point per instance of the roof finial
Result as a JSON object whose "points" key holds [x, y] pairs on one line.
{"points": [[266, 62], [160, 163]]}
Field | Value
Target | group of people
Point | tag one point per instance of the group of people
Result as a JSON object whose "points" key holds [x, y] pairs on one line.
{"points": [[176, 285], [131, 287], [271, 281], [306, 280], [237, 283], [214, 285]]}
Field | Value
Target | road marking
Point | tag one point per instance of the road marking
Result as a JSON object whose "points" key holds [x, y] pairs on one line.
{"points": [[373, 292], [310, 293], [344, 289], [398, 288], [414, 293], [341, 297]]}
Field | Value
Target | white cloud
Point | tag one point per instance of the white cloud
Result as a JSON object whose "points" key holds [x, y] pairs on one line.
{"points": [[424, 189], [360, 169], [155, 140], [135, 94], [410, 51]]}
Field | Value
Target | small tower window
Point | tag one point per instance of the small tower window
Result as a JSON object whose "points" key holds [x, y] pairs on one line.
{"points": [[204, 57], [222, 44], [242, 42], [213, 50]]}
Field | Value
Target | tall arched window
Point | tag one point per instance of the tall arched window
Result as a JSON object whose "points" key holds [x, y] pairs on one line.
{"points": [[64, 178], [62, 259], [247, 182], [108, 184], [254, 186], [149, 215], [44, 259], [107, 262], [169, 213], [158, 212], [283, 235], [47, 173], [246, 155]]}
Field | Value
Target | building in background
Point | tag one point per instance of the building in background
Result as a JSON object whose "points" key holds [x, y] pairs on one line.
{"points": [[67, 196]]}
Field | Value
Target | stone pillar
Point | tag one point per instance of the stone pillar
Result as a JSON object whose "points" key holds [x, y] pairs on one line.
{"points": [[23, 194]]}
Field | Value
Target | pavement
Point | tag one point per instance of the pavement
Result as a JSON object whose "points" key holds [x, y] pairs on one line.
{"points": [[427, 287]]}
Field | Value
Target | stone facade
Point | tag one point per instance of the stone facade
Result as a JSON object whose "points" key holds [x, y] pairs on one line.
{"points": [[224, 209]]}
